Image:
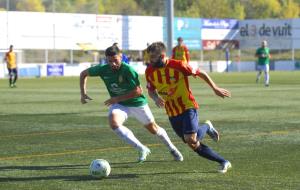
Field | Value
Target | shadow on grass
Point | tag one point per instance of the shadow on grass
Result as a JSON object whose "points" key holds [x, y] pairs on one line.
{"points": [[62, 167], [132, 164], [85, 177], [66, 178], [58, 177], [47, 114], [90, 178]]}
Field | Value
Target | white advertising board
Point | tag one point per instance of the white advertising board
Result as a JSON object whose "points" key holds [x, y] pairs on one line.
{"points": [[3, 31], [219, 34], [278, 33], [109, 30], [141, 30], [30, 30], [296, 33]]}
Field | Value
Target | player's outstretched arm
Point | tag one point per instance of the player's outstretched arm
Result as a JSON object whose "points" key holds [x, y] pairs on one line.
{"points": [[159, 102], [5, 59], [83, 81], [132, 94], [218, 91]]}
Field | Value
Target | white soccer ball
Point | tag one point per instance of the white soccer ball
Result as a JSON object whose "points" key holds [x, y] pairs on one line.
{"points": [[100, 168]]}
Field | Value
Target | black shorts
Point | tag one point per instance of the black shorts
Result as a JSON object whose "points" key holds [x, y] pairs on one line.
{"points": [[13, 71], [185, 123]]}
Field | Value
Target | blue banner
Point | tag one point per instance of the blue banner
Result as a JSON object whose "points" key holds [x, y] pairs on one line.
{"points": [[55, 70], [187, 28], [29, 72], [220, 23]]}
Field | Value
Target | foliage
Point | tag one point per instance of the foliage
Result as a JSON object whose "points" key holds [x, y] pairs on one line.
{"points": [[262, 9], [249, 9], [124, 7], [290, 9]]}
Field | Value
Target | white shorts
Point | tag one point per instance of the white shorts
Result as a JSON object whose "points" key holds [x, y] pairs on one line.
{"points": [[143, 113], [264, 68]]}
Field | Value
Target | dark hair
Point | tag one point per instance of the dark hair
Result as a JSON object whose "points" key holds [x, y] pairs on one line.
{"points": [[179, 39], [157, 47], [112, 51]]}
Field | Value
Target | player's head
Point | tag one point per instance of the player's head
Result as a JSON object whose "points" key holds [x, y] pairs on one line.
{"points": [[11, 47], [114, 57], [157, 54], [180, 41], [264, 43], [115, 44]]}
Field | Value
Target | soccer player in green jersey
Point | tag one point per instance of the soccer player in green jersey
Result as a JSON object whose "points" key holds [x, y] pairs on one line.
{"points": [[263, 55], [126, 100]]}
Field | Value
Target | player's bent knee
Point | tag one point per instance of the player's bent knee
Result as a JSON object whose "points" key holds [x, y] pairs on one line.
{"points": [[152, 127], [190, 140], [113, 124], [116, 120], [113, 127], [194, 146]]}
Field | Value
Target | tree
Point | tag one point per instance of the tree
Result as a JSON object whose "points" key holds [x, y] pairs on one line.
{"points": [[237, 10], [124, 7], [210, 9], [30, 5], [154, 8], [290, 9], [262, 9], [182, 6]]}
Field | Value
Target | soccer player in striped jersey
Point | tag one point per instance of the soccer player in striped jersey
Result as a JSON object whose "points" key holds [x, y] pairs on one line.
{"points": [[126, 100], [168, 86], [181, 52]]}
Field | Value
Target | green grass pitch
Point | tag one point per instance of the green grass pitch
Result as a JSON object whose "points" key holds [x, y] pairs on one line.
{"points": [[48, 139]]}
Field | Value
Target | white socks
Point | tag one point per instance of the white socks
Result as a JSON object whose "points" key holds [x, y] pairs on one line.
{"points": [[267, 78], [258, 76], [163, 136], [127, 135]]}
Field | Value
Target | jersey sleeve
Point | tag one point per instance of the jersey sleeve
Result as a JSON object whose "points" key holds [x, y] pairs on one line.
{"points": [[132, 78], [187, 54], [95, 71], [173, 52], [257, 52], [150, 85], [186, 69]]}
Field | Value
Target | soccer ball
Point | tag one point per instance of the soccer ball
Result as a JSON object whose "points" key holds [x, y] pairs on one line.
{"points": [[100, 168]]}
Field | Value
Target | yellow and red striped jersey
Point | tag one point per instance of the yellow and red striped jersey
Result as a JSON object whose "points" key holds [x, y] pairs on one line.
{"points": [[171, 83], [181, 53]]}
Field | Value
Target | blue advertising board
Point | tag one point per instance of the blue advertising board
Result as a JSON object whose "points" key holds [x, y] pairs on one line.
{"points": [[29, 72], [187, 28], [220, 23], [55, 70]]}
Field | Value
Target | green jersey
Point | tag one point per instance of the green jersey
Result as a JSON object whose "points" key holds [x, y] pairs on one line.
{"points": [[120, 82], [263, 60]]}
